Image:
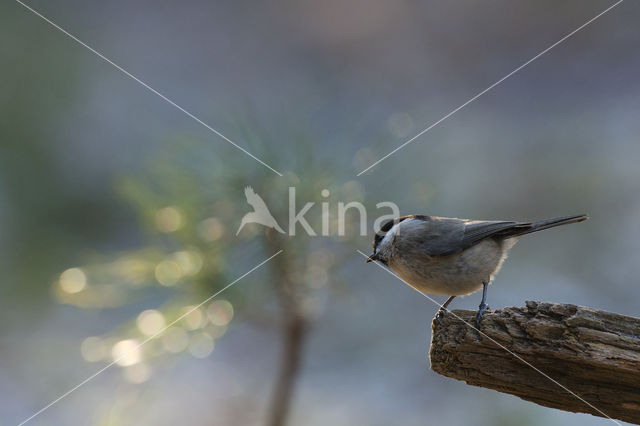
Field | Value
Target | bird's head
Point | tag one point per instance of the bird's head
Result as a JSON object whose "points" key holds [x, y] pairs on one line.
{"points": [[382, 242]]}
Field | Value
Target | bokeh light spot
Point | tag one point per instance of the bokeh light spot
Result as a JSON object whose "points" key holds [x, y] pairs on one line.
{"points": [[150, 322], [168, 272], [201, 345], [169, 219], [220, 312], [215, 331], [190, 262], [126, 352], [210, 229], [175, 340], [73, 280], [193, 319]]}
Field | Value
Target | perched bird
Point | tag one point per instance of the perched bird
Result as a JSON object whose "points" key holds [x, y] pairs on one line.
{"points": [[449, 256], [260, 213]]}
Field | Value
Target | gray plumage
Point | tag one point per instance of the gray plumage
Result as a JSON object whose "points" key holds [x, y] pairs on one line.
{"points": [[451, 256]]}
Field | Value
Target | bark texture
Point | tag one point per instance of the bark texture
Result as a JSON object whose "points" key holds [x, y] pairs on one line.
{"points": [[592, 353]]}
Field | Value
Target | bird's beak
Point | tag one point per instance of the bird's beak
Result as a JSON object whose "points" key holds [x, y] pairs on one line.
{"points": [[372, 257]]}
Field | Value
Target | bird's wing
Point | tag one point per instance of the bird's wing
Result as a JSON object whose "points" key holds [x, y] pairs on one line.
{"points": [[249, 193], [439, 236], [445, 236], [478, 230], [254, 200]]}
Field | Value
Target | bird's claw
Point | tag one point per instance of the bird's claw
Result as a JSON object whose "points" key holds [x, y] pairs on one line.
{"points": [[440, 315], [481, 310]]}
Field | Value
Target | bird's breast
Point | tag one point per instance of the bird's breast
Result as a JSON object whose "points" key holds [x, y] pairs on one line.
{"points": [[454, 275]]}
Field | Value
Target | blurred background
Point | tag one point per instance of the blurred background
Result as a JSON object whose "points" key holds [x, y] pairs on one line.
{"points": [[118, 212]]}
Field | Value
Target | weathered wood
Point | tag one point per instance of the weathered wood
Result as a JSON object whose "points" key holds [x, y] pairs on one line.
{"points": [[594, 354]]}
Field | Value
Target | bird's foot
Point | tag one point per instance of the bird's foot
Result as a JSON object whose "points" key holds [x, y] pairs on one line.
{"points": [[481, 310], [440, 315]]}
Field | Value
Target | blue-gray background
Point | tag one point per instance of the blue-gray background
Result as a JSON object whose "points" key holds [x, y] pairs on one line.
{"points": [[559, 137]]}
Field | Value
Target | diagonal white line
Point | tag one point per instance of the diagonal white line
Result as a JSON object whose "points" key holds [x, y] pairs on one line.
{"points": [[491, 87], [146, 86], [64, 395], [518, 357]]}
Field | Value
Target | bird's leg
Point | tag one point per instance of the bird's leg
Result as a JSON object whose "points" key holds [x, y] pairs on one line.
{"points": [[483, 306], [443, 309]]}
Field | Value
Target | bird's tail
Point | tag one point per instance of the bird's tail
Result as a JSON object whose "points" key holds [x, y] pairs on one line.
{"points": [[528, 228]]}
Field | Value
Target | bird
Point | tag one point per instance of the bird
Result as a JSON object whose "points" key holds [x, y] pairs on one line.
{"points": [[260, 213], [451, 256]]}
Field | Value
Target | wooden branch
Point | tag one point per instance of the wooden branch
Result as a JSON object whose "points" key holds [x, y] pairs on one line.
{"points": [[594, 354]]}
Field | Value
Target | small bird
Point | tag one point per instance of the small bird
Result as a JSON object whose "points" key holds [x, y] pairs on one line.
{"points": [[260, 213], [449, 256]]}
